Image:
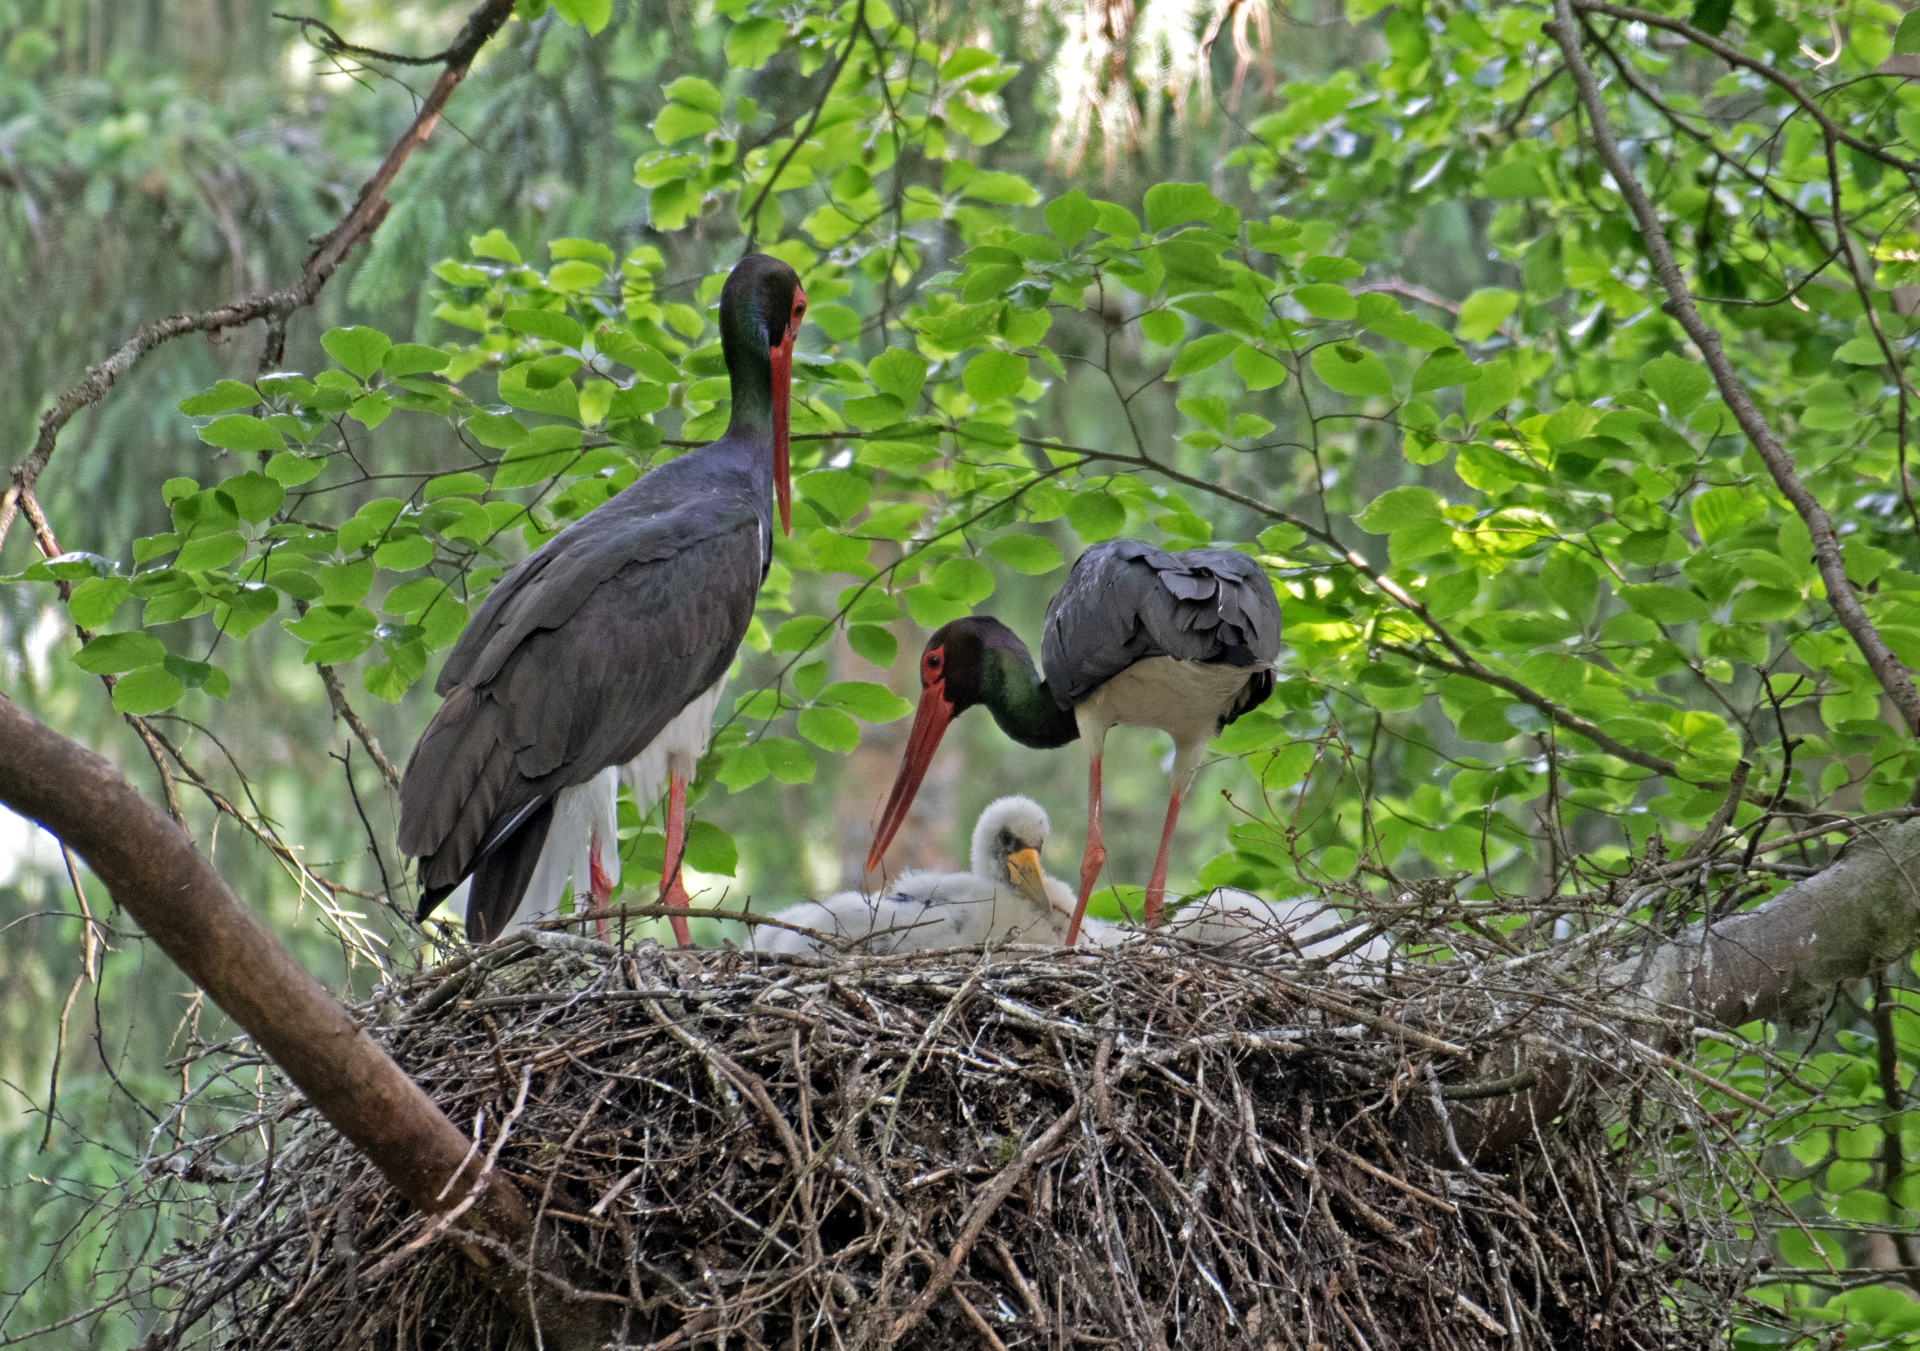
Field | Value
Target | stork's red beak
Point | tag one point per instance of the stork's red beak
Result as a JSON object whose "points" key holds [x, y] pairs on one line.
{"points": [[782, 357], [929, 725]]}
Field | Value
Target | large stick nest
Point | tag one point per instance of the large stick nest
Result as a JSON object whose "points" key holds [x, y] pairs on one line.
{"points": [[1019, 1148]]}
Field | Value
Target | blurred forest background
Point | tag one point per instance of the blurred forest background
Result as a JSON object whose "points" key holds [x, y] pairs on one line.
{"points": [[164, 155]]}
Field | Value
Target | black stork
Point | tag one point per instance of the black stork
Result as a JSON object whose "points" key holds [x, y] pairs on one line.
{"points": [[606, 649], [1137, 637]]}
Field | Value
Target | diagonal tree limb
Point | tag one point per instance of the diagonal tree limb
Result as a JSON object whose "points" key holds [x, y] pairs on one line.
{"points": [[1733, 56], [1893, 677], [369, 209], [151, 868]]}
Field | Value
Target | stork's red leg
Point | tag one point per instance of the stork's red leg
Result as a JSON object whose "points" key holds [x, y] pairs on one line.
{"points": [[1157, 884], [602, 890], [1096, 854], [672, 891]]}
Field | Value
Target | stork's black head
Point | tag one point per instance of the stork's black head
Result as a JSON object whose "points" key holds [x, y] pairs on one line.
{"points": [[957, 660], [761, 307]]}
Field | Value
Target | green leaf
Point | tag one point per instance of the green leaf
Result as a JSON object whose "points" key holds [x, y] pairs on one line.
{"points": [[548, 324], [1096, 515], [1679, 383], [1722, 511], [404, 555], [836, 321], [1494, 388], [790, 761], [1260, 371], [1446, 367], [929, 608], [1764, 604], [966, 581], [1163, 327], [829, 729], [1169, 204], [291, 470], [494, 244], [496, 431], [224, 395], [149, 689], [710, 849], [752, 44], [255, 496], [899, 372], [994, 375], [591, 15], [677, 122], [1512, 181], [873, 643], [1324, 300], [574, 276], [209, 552], [359, 349], [1000, 189], [1906, 38], [1711, 16], [1201, 353], [1070, 216], [743, 768], [865, 700], [112, 652], [1034, 555], [1351, 369], [412, 358], [1482, 313], [1665, 604], [841, 493], [94, 601], [241, 431], [1398, 508]]}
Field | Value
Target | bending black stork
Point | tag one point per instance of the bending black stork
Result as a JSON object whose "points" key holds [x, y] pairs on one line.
{"points": [[606, 649], [1137, 637]]}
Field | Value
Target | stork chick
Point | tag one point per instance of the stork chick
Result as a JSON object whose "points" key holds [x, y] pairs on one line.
{"points": [[1005, 897]]}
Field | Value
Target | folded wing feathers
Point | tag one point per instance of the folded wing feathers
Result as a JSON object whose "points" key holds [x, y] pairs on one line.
{"points": [[544, 708], [1126, 601]]}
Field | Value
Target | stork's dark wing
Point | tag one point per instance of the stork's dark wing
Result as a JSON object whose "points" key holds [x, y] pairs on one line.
{"points": [[1125, 601], [580, 665]]}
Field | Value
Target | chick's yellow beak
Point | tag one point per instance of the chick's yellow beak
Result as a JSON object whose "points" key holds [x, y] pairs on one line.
{"points": [[1023, 870]]}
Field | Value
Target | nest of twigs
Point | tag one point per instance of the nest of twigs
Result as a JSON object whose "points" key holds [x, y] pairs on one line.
{"points": [[1147, 1147]]}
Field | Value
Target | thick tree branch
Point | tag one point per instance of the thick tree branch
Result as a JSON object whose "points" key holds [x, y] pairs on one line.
{"points": [[153, 870], [1781, 960], [369, 209], [1893, 677]]}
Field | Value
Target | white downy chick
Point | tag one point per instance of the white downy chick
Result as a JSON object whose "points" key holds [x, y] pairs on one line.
{"points": [[1005, 897], [1305, 927]]}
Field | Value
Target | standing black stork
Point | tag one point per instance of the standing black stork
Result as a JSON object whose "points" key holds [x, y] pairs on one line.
{"points": [[1137, 637], [606, 649]]}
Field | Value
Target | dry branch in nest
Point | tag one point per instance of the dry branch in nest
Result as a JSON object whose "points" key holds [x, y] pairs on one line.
{"points": [[1021, 1147]]}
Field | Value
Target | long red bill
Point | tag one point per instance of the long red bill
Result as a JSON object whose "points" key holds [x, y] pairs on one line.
{"points": [[929, 725], [782, 358]]}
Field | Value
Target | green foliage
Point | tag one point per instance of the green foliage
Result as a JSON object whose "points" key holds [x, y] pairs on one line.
{"points": [[1517, 475]]}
